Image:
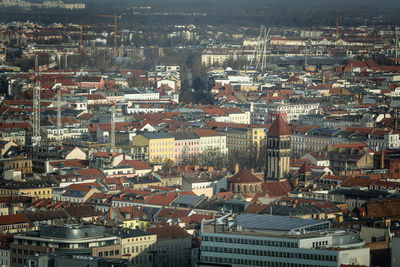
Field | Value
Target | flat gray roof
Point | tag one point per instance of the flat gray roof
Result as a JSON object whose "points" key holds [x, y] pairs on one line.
{"points": [[275, 223]]}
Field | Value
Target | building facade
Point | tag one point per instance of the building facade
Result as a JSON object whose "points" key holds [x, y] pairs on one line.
{"points": [[266, 240], [155, 147]]}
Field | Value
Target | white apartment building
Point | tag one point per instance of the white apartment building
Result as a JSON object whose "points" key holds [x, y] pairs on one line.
{"points": [[381, 140], [265, 113], [212, 140], [70, 132], [141, 95]]}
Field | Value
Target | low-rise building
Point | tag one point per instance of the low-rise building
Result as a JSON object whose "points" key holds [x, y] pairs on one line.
{"points": [[37, 189], [173, 246]]}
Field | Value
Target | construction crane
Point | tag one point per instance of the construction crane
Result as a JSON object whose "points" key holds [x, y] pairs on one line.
{"points": [[36, 106], [337, 26], [112, 134], [259, 60], [81, 36], [116, 17], [59, 111], [396, 51]]}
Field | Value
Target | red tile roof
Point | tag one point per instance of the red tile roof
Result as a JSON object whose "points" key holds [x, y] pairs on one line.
{"points": [[207, 133], [169, 232], [90, 173], [13, 219], [279, 127], [162, 199], [173, 213], [136, 164], [276, 189], [85, 187], [244, 176]]}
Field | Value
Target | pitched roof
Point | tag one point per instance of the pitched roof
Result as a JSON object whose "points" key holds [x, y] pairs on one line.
{"points": [[81, 211], [281, 188], [279, 127], [169, 232], [207, 133], [13, 218], [383, 208], [162, 199], [156, 135], [244, 176], [136, 164], [173, 213]]}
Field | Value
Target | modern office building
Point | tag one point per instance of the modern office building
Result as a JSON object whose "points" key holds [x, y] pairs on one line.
{"points": [[61, 240], [277, 241]]}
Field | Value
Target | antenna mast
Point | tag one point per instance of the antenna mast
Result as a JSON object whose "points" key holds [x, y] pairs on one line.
{"points": [[112, 135], [59, 111], [36, 106]]}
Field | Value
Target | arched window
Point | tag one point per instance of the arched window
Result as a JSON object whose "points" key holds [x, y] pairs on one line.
{"points": [[244, 188], [238, 188], [256, 188], [251, 188]]}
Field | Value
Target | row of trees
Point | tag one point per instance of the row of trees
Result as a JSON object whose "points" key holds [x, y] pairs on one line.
{"points": [[252, 158]]}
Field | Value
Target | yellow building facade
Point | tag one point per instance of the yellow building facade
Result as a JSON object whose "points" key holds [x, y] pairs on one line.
{"points": [[155, 147], [242, 139], [35, 189], [136, 224]]}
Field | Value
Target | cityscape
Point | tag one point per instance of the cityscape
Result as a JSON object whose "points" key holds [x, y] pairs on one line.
{"points": [[189, 133]]}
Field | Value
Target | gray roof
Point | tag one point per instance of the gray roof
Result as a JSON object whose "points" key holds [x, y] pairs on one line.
{"points": [[157, 135], [188, 200], [184, 135], [275, 223]]}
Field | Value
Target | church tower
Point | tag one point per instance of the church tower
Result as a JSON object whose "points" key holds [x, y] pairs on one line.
{"points": [[278, 149]]}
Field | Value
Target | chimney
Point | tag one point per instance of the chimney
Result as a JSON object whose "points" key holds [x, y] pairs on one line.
{"points": [[382, 159], [236, 168]]}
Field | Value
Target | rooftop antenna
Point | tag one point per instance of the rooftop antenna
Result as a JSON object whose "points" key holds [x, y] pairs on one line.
{"points": [[59, 111], [36, 106], [112, 134], [396, 41], [337, 26]]}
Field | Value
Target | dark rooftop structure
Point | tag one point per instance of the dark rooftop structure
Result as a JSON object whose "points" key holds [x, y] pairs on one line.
{"points": [[263, 222]]}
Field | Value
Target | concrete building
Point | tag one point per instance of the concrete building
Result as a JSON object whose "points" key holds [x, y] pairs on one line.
{"points": [[278, 149], [173, 246], [266, 240], [69, 239]]}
